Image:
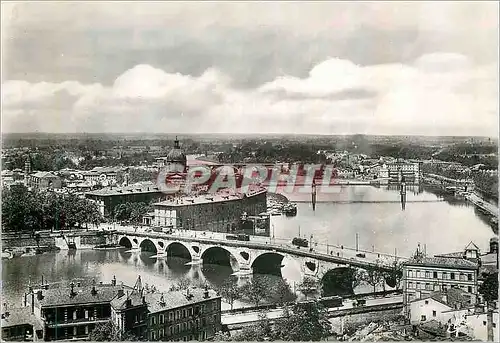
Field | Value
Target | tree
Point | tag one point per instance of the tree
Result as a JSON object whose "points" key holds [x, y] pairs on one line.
{"points": [[230, 291], [306, 322], [281, 293], [395, 275], [309, 286], [222, 337], [109, 332], [260, 331], [489, 288], [373, 277], [255, 290]]}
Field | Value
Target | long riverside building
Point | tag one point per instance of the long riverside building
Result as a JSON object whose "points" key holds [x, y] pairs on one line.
{"points": [[219, 212]]}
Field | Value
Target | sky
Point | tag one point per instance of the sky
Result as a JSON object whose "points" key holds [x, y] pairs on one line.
{"points": [[386, 68]]}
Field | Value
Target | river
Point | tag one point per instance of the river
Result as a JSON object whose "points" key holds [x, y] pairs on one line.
{"points": [[374, 213]]}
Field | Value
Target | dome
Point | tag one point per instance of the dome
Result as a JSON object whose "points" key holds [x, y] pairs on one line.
{"points": [[176, 155]]}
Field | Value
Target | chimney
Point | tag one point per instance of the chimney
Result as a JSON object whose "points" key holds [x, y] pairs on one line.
{"points": [[206, 294], [39, 295], [72, 293], [32, 302], [94, 291], [113, 282], [162, 300], [143, 299], [78, 284]]}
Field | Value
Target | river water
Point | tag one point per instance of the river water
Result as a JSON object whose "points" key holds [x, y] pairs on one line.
{"points": [[374, 213]]}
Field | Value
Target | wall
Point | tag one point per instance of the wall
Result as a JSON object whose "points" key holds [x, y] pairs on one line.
{"points": [[25, 240], [477, 322], [357, 320], [421, 308]]}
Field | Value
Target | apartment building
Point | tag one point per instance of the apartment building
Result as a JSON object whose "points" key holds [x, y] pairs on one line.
{"points": [[424, 275], [193, 314]]}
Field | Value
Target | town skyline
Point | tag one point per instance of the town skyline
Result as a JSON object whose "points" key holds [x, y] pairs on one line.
{"points": [[251, 68]]}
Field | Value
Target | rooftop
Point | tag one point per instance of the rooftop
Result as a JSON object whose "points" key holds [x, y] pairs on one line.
{"points": [[43, 174], [443, 262], [82, 295], [176, 299], [140, 187], [20, 316], [222, 196], [453, 298]]}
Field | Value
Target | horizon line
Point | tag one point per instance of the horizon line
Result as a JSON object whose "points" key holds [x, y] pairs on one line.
{"points": [[244, 134]]}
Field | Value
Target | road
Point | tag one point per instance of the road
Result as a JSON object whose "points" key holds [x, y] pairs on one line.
{"points": [[333, 253], [247, 317]]}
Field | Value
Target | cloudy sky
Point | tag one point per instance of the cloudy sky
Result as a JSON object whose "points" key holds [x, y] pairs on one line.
{"points": [[325, 68]]}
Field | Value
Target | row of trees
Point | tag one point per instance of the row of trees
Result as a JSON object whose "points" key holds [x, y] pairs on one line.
{"points": [[29, 211], [262, 288]]}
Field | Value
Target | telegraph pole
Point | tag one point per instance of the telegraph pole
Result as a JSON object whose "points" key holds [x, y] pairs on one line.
{"points": [[357, 240]]}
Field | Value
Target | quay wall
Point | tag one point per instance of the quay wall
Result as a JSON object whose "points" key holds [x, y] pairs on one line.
{"points": [[10, 241], [83, 240]]}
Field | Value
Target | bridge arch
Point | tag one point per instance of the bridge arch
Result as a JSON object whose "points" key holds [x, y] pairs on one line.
{"points": [[125, 242], [339, 281], [178, 249], [221, 256], [149, 246], [268, 263]]}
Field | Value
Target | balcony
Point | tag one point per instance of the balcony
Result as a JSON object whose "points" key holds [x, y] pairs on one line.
{"points": [[75, 322]]}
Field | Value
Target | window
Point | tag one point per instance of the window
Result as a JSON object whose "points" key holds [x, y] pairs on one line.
{"points": [[427, 302], [433, 313], [445, 275], [184, 338], [417, 273], [410, 284], [427, 274], [494, 325], [86, 329], [170, 316], [183, 313], [462, 277], [423, 318], [190, 311], [484, 323], [161, 319], [435, 275], [452, 276], [153, 320], [469, 277]]}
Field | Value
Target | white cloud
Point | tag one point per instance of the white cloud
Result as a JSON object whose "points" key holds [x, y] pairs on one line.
{"points": [[441, 94]]}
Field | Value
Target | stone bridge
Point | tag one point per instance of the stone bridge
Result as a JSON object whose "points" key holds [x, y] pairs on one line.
{"points": [[244, 257]]}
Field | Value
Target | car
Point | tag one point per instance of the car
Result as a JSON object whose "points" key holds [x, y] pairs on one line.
{"points": [[361, 255]]}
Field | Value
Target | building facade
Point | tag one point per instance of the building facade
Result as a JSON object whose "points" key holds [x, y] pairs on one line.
{"points": [[219, 212], [409, 170], [44, 180], [426, 275], [193, 314], [71, 313], [108, 198]]}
